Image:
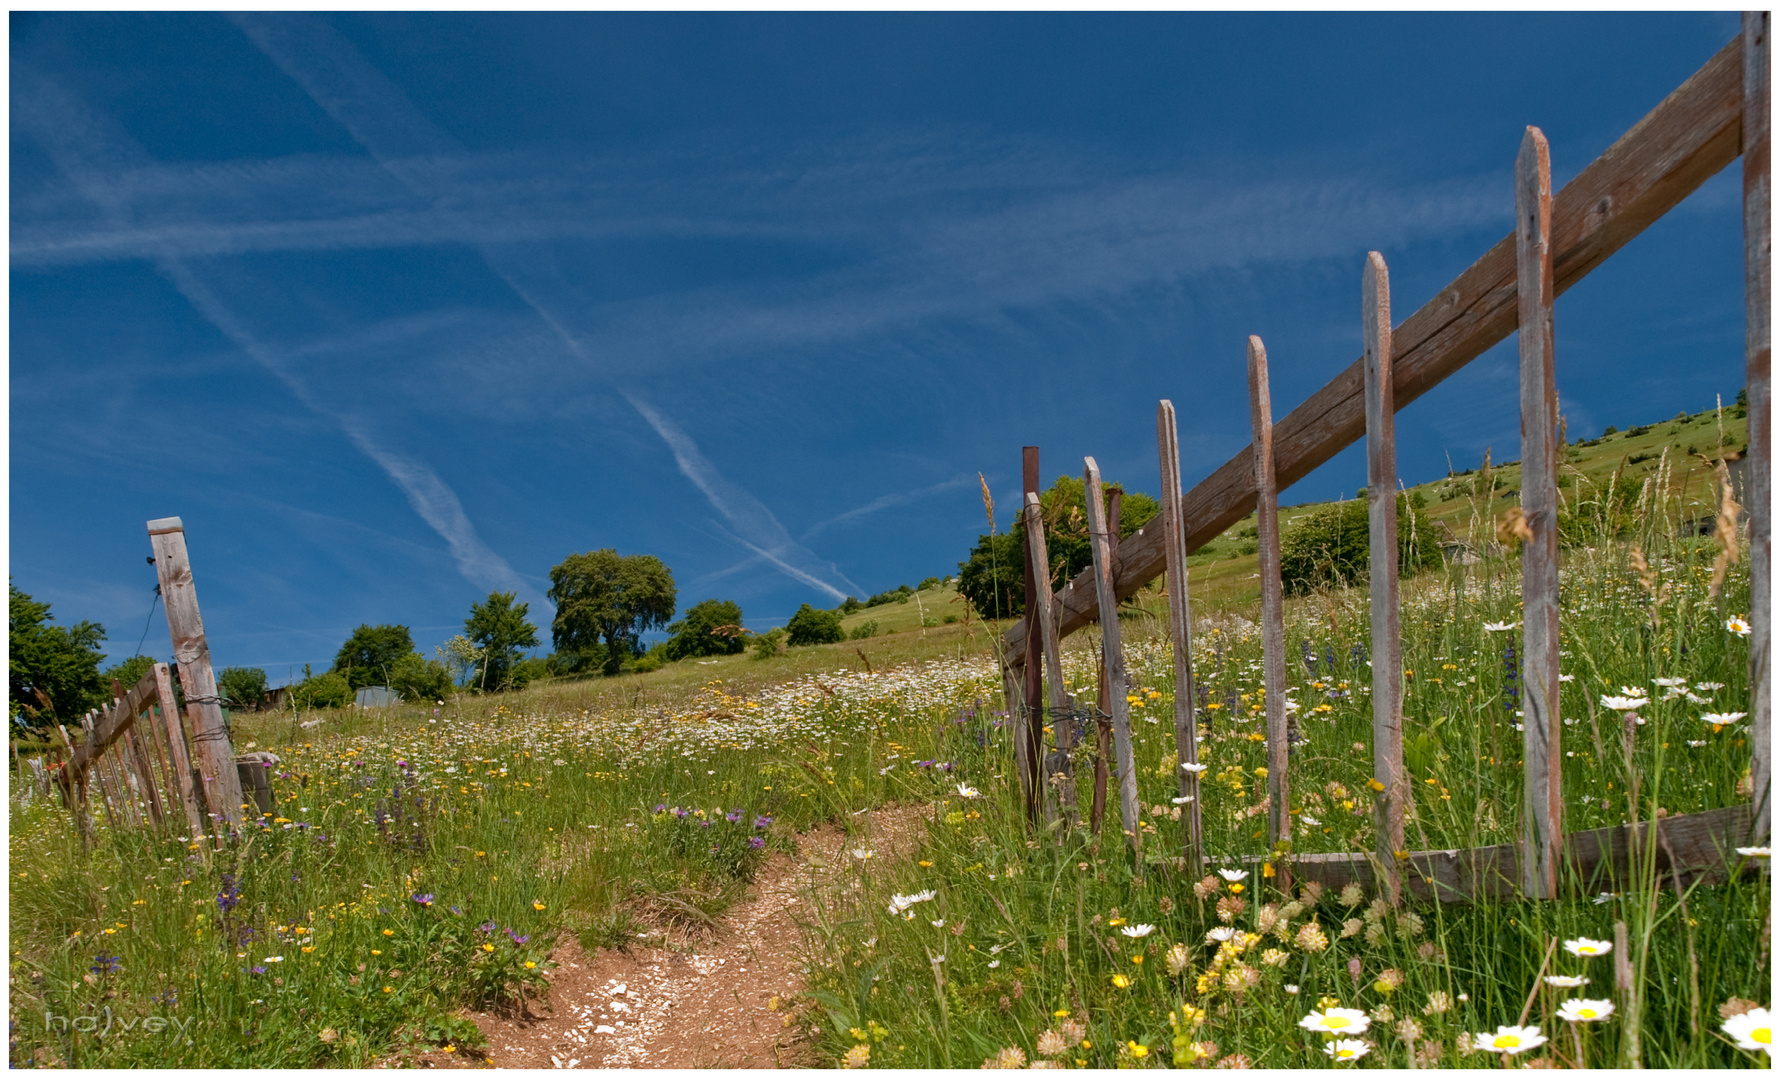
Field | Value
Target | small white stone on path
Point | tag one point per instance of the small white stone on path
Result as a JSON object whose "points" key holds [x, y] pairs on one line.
{"points": [[605, 1029]]}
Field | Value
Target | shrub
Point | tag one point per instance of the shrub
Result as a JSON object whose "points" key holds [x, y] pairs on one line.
{"points": [[811, 626], [767, 645], [1609, 430], [1332, 545], [329, 690], [697, 632], [849, 605], [928, 583], [239, 687], [418, 679], [993, 579], [864, 630]]}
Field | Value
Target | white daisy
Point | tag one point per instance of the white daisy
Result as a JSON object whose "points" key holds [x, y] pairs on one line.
{"points": [[1752, 1030]]}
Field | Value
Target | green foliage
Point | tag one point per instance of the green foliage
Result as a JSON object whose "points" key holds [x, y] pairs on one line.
{"points": [[527, 670], [993, 577], [52, 671], [813, 626], [129, 672], [769, 644], [418, 679], [928, 583], [370, 653], [651, 660], [1332, 546], [329, 690], [499, 628], [709, 628], [849, 605], [576, 663], [604, 595], [241, 687], [864, 630], [898, 595]]}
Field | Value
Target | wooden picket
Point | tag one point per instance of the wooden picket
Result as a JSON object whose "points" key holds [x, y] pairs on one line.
{"points": [[1113, 654], [1717, 114], [1180, 633], [1757, 251], [1541, 448], [1273, 604]]}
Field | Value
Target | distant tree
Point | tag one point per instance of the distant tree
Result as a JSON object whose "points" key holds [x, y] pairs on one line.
{"points": [[127, 673], [52, 671], [370, 653], [928, 583], [1332, 546], [695, 634], [240, 687], [418, 679], [329, 690], [849, 605], [813, 626], [499, 629], [601, 595], [529, 669]]}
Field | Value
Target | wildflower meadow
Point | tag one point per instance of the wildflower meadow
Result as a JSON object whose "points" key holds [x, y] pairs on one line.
{"points": [[425, 860]]}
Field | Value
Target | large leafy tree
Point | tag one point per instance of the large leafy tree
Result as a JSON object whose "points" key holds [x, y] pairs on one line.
{"points": [[371, 653], [604, 596], [241, 687], [993, 577], [697, 631], [52, 671], [499, 628]]}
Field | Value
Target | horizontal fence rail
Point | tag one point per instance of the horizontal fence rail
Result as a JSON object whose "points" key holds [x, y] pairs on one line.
{"points": [[1692, 135]]}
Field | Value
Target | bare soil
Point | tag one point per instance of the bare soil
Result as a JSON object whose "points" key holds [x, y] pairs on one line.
{"points": [[723, 997]]}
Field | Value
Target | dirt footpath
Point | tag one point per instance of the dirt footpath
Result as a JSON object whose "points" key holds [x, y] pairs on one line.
{"points": [[702, 1000]]}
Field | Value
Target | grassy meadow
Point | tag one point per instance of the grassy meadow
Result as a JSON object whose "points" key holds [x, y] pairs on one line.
{"points": [[423, 860]]}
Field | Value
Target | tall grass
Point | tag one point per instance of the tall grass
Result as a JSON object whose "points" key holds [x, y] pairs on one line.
{"points": [[422, 861]]}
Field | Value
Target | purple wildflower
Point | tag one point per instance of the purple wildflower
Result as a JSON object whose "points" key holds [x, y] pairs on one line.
{"points": [[488, 927], [733, 816], [423, 899], [756, 841], [763, 821], [257, 969]]}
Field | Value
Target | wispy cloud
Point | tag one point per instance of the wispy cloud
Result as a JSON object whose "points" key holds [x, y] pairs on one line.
{"points": [[86, 147], [406, 143], [756, 527], [885, 502]]}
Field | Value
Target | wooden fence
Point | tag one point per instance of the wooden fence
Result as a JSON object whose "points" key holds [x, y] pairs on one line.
{"points": [[180, 755], [1719, 113]]}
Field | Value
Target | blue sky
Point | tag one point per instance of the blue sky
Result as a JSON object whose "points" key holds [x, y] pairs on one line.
{"points": [[395, 310]]}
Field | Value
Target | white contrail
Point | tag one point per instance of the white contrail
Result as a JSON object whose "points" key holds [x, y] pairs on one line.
{"points": [[382, 119], [78, 138]]}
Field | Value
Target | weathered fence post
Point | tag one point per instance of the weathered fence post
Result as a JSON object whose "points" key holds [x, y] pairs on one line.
{"points": [[181, 763], [1542, 827], [1114, 652], [1058, 769], [1757, 253], [1273, 615], [1103, 700], [1180, 632], [1390, 786], [216, 758], [1031, 731]]}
